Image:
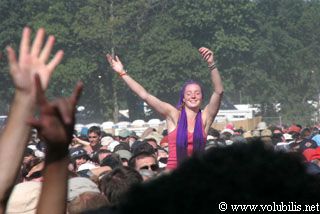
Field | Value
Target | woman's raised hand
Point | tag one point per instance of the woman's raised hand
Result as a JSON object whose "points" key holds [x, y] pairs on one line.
{"points": [[207, 55]]}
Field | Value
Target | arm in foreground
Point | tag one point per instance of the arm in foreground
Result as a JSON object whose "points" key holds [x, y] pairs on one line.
{"points": [[55, 125], [13, 140]]}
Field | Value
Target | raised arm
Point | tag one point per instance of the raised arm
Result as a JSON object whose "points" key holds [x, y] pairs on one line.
{"points": [[165, 109], [55, 126], [211, 110], [32, 59]]}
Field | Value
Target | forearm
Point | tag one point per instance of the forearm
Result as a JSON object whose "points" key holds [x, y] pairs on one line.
{"points": [[13, 141], [82, 142], [54, 190], [213, 106], [216, 81], [135, 86]]}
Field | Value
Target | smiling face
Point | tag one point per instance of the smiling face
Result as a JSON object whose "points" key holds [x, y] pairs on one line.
{"points": [[94, 138], [192, 96]]}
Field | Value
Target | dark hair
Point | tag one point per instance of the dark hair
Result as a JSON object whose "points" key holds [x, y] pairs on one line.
{"points": [[143, 147], [214, 132], [117, 182], [133, 159], [305, 132], [182, 128], [243, 173], [103, 151], [95, 129], [276, 138], [122, 146], [164, 132], [112, 161], [28, 166]]}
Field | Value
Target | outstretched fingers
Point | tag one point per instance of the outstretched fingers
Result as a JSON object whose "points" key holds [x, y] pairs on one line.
{"points": [[66, 106], [42, 102], [12, 59], [76, 93], [56, 60], [109, 59], [45, 53], [38, 42], [40, 93], [118, 60], [25, 42]]}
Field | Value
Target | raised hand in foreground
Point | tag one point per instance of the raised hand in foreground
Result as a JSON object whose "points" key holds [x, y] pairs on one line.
{"points": [[32, 59]]}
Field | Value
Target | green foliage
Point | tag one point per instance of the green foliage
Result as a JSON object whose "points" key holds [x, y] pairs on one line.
{"points": [[267, 51]]}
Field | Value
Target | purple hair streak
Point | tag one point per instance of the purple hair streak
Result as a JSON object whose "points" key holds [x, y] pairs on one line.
{"points": [[182, 131]]}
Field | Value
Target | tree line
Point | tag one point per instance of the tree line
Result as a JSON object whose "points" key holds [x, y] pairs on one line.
{"points": [[267, 50]]}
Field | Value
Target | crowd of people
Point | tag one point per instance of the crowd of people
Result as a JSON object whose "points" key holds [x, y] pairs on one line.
{"points": [[48, 167]]}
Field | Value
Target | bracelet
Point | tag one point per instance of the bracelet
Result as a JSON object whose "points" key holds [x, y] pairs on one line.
{"points": [[123, 73], [212, 66]]}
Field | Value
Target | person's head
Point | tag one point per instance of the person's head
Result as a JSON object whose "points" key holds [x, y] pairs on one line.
{"points": [[86, 201], [94, 135], [315, 131], [152, 142], [78, 156], [142, 147], [112, 161], [80, 160], [125, 156], [28, 156], [144, 160], [261, 176], [214, 133], [29, 162], [124, 135], [191, 95], [133, 137], [121, 146], [102, 153], [306, 132], [117, 182], [35, 172]]}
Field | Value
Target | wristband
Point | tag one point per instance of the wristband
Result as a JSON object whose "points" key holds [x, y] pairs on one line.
{"points": [[122, 73], [212, 66]]}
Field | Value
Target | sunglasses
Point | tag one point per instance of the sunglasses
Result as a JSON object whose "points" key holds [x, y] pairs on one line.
{"points": [[153, 167]]}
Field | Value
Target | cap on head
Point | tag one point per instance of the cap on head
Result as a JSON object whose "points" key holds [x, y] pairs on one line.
{"points": [[77, 153]]}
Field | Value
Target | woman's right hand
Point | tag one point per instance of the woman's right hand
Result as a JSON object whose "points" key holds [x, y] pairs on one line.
{"points": [[115, 63]]}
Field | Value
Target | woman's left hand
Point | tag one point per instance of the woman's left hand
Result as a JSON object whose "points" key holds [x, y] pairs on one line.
{"points": [[207, 55]]}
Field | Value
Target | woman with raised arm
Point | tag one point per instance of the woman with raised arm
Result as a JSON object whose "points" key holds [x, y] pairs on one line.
{"points": [[187, 124]]}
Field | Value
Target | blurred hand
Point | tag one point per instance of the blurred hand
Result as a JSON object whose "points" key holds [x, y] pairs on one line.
{"points": [[57, 118], [33, 60]]}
